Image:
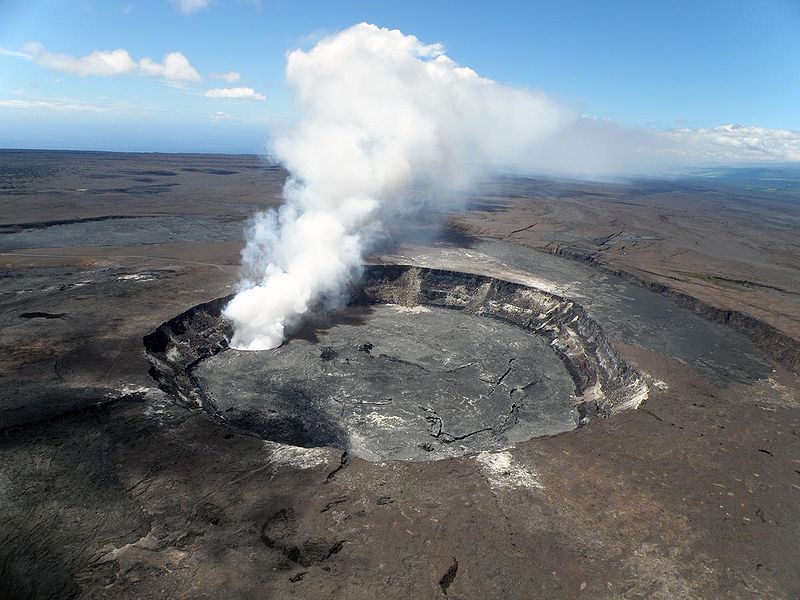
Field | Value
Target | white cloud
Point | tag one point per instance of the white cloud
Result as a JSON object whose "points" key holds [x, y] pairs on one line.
{"points": [[229, 76], [243, 93], [58, 105], [99, 62], [175, 67], [221, 115], [14, 53], [188, 7], [738, 143]]}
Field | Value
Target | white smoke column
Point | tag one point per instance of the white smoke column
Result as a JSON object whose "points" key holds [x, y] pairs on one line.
{"points": [[381, 114]]}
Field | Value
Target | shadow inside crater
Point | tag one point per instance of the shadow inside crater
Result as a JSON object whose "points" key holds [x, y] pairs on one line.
{"points": [[312, 328], [296, 419]]}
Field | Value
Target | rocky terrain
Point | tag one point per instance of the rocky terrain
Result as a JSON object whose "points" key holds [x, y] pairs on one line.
{"points": [[112, 487], [371, 400], [725, 248]]}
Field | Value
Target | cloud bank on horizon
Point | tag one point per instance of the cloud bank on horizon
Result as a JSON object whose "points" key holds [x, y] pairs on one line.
{"points": [[599, 148], [386, 120], [737, 143]]}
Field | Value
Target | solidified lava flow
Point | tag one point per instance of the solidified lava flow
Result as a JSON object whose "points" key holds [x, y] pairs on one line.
{"points": [[423, 364]]}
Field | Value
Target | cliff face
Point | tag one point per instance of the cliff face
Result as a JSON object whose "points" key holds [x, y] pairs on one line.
{"points": [[604, 383], [775, 343], [178, 345]]}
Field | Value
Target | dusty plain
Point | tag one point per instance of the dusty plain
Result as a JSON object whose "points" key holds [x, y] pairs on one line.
{"points": [[109, 489]]}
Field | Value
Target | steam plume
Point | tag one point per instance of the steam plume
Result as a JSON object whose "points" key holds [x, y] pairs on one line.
{"points": [[383, 114], [385, 119]]}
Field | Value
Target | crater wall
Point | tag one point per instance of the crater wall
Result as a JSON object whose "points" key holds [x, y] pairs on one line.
{"points": [[603, 382]]}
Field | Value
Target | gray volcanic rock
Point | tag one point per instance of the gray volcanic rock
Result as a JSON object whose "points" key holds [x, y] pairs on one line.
{"points": [[392, 382], [426, 364]]}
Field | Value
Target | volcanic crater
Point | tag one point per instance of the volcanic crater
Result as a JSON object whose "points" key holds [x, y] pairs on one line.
{"points": [[423, 364]]}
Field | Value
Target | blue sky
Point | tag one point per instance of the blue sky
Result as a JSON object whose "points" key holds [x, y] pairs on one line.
{"points": [[643, 64]]}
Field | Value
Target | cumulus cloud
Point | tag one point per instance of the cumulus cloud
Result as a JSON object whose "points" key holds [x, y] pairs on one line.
{"points": [[243, 93], [228, 76], [99, 62], [188, 7], [174, 67]]}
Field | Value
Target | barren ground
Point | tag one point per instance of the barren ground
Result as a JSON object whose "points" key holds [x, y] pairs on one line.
{"points": [[108, 489]]}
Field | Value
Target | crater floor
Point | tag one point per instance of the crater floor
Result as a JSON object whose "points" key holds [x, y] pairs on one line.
{"points": [[387, 382]]}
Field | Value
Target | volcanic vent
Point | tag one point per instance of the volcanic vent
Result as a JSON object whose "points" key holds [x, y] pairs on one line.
{"points": [[423, 364]]}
